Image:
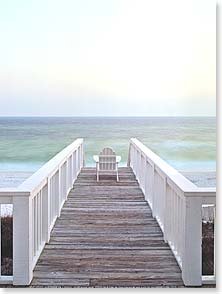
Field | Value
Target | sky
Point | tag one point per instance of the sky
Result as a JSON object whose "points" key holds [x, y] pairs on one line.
{"points": [[108, 58]]}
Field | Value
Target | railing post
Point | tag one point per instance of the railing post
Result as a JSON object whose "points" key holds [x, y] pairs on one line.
{"points": [[192, 251], [22, 240]]}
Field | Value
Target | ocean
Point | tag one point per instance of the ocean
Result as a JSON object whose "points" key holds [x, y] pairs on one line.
{"points": [[187, 143]]}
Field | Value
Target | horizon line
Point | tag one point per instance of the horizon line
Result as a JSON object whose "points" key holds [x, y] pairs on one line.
{"points": [[106, 116]]}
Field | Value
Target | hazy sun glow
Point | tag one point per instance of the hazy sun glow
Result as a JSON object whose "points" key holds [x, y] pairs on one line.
{"points": [[112, 57]]}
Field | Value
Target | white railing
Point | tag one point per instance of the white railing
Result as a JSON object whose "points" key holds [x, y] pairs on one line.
{"points": [[37, 203], [177, 204]]}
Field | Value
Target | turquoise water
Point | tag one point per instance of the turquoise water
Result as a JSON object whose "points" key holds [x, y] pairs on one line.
{"points": [[187, 143]]}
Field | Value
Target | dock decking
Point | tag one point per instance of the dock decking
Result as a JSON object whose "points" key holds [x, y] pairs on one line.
{"points": [[106, 237]]}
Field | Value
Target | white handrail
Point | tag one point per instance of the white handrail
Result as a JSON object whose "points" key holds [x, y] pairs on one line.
{"points": [[177, 204], [37, 203]]}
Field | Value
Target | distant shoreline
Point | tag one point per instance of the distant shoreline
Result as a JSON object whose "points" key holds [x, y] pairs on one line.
{"points": [[107, 116]]}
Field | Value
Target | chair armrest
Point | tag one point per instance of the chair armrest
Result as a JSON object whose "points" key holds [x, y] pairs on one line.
{"points": [[96, 158], [118, 159]]}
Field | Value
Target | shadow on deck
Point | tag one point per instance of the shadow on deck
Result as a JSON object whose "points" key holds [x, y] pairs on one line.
{"points": [[106, 237]]}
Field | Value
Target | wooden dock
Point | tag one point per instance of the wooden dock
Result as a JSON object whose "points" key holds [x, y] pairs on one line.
{"points": [[106, 237]]}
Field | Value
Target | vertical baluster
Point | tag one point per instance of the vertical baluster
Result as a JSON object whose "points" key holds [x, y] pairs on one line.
{"points": [[182, 229], [180, 226], [160, 201], [142, 173], [69, 173], [79, 159], [168, 217], [57, 193], [60, 189], [156, 195], [81, 156], [62, 183], [172, 216], [154, 192], [75, 166], [33, 227], [34, 243], [140, 166], [41, 239], [132, 158], [138, 170], [38, 218], [65, 180], [54, 196], [166, 211], [136, 163], [46, 211], [176, 218], [160, 194], [146, 175], [77, 162], [82, 152], [163, 199], [72, 172], [150, 184], [51, 200]]}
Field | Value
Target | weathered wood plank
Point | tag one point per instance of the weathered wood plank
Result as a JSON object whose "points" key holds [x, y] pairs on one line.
{"points": [[106, 237]]}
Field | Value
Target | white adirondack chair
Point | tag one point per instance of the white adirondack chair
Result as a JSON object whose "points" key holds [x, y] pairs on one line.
{"points": [[107, 161]]}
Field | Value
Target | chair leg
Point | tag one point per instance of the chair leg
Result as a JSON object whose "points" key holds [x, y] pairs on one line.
{"points": [[117, 175]]}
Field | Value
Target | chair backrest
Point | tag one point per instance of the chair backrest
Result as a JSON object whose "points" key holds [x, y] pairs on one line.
{"points": [[107, 159]]}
